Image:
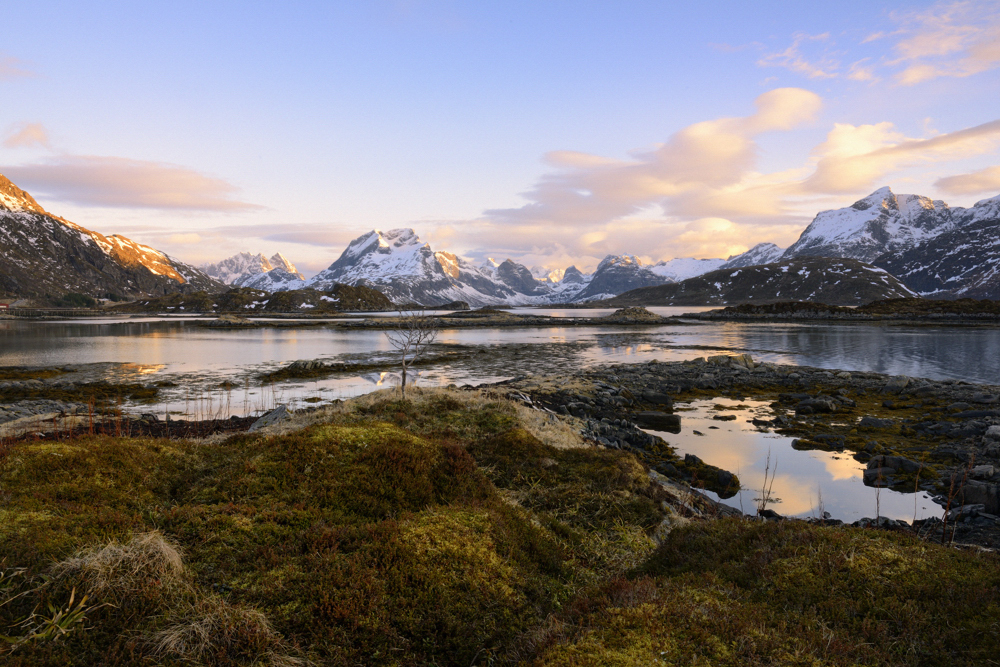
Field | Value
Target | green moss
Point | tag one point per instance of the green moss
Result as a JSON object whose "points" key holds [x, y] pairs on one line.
{"points": [[738, 593]]}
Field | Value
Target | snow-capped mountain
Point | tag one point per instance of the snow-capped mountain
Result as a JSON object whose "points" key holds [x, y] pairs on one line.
{"points": [[933, 248], [45, 255], [682, 268], [616, 274], [248, 270], [407, 270], [963, 261], [880, 223], [762, 253]]}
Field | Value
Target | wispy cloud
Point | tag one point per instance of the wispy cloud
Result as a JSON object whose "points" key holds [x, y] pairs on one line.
{"points": [[949, 39], [822, 66], [13, 68], [984, 181], [126, 183], [27, 135], [956, 39]]}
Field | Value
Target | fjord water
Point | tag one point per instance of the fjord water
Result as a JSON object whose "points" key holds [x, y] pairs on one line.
{"points": [[198, 360], [164, 347]]}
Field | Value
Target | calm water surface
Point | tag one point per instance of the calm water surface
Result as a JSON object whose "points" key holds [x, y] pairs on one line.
{"points": [[198, 360]]}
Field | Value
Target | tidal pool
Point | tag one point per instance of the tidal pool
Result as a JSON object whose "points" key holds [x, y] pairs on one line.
{"points": [[805, 483]]}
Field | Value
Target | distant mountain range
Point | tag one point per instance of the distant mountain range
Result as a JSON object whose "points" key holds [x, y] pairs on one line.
{"points": [[45, 256], [931, 248], [833, 281], [256, 271]]}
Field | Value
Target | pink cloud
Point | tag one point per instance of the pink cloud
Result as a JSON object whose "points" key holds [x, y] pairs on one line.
{"points": [[125, 183], [27, 135]]}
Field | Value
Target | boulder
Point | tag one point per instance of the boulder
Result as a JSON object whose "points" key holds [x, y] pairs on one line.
{"points": [[658, 398], [276, 415], [879, 476], [982, 472], [896, 384], [993, 432], [875, 422], [979, 493], [820, 404], [896, 463]]}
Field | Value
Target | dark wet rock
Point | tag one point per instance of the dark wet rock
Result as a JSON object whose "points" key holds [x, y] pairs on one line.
{"points": [[976, 414], [724, 418], [875, 422], [883, 522], [820, 404], [879, 476], [965, 512], [658, 398], [897, 463], [658, 421], [986, 399], [980, 493], [725, 479], [770, 514]]}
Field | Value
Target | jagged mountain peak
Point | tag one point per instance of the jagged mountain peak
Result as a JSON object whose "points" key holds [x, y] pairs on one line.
{"points": [[13, 198], [244, 269], [619, 260], [879, 223], [44, 254], [279, 261]]}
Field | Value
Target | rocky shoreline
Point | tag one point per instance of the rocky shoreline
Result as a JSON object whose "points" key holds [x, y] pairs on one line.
{"points": [[942, 437]]}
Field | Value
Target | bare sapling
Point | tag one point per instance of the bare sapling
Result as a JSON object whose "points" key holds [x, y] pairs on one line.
{"points": [[765, 490], [413, 334]]}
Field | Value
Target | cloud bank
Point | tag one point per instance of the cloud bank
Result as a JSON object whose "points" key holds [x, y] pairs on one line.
{"points": [[700, 193], [118, 182]]}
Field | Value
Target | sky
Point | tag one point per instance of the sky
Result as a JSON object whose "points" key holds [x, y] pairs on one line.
{"points": [[551, 132]]}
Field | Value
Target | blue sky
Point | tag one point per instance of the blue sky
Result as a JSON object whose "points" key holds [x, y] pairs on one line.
{"points": [[550, 132]]}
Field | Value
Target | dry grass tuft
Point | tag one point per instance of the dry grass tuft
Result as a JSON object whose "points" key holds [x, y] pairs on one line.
{"points": [[210, 631], [117, 571]]}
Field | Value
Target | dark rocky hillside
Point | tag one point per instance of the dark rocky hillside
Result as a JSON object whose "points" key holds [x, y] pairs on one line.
{"points": [[45, 256], [843, 282], [963, 262], [339, 298]]}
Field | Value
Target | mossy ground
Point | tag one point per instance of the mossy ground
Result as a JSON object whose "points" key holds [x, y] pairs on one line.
{"points": [[450, 529], [732, 592]]}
